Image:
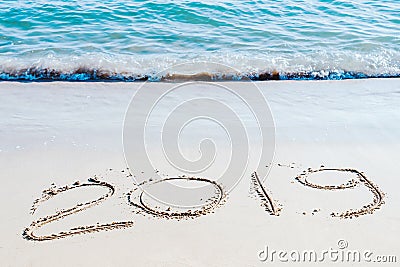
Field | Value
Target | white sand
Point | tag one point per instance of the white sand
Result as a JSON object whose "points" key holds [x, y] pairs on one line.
{"points": [[63, 132]]}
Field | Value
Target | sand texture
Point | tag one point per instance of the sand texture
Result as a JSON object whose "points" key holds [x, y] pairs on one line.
{"points": [[68, 197]]}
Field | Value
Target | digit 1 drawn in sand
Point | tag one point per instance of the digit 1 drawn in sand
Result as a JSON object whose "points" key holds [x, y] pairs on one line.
{"points": [[369, 208], [266, 201], [136, 198], [28, 233]]}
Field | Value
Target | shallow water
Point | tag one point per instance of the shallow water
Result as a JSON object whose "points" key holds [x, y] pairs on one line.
{"points": [[130, 40]]}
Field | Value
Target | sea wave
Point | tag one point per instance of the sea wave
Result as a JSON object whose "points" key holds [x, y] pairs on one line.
{"points": [[257, 40], [99, 67]]}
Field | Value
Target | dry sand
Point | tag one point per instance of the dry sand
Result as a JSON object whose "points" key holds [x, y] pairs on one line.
{"points": [[340, 139]]}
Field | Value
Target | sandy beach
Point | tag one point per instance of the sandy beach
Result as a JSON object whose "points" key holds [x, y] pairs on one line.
{"points": [[342, 135]]}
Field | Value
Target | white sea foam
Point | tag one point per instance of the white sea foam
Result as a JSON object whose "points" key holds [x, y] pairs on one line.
{"points": [[320, 65]]}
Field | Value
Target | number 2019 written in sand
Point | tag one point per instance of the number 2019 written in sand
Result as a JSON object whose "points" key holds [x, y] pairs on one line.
{"points": [[136, 198]]}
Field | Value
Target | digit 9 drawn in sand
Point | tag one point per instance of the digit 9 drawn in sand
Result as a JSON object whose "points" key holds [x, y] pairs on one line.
{"points": [[369, 208]]}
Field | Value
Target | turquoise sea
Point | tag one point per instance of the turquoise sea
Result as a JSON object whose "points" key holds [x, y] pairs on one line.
{"points": [[135, 40]]}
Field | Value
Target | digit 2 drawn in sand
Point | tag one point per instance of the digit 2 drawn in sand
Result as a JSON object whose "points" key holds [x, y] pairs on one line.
{"points": [[369, 208], [28, 233]]}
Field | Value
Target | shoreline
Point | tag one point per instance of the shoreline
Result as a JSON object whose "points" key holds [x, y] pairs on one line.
{"points": [[97, 76]]}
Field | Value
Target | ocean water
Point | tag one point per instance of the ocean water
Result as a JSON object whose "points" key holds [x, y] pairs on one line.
{"points": [[136, 40]]}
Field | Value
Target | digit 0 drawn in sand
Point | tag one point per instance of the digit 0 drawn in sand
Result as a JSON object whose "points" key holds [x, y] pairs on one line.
{"points": [[266, 200], [369, 208], [28, 233], [136, 198]]}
